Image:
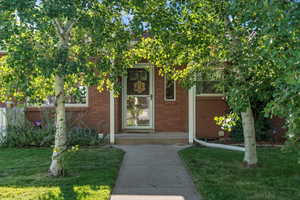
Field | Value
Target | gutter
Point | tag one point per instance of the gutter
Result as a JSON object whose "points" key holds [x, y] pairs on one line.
{"points": [[219, 146]]}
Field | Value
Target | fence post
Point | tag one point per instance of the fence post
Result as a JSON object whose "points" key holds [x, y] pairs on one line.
{"points": [[10, 116], [3, 124]]}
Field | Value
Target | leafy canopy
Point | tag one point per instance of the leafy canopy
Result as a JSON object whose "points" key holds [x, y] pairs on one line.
{"points": [[182, 36], [256, 42], [32, 32]]}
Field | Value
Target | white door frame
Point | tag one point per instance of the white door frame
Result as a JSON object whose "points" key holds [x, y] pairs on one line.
{"points": [[192, 114], [152, 101]]}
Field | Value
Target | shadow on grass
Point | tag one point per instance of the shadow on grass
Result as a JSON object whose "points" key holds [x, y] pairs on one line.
{"points": [[91, 175]]}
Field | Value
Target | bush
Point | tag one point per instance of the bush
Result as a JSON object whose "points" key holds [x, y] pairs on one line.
{"points": [[42, 134], [28, 135], [84, 137], [263, 129], [233, 124]]}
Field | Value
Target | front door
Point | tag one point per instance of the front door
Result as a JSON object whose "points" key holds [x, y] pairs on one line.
{"points": [[138, 98]]}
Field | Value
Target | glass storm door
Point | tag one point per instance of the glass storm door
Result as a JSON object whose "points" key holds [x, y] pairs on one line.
{"points": [[137, 101]]}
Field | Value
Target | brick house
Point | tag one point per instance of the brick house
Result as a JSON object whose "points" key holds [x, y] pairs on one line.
{"points": [[148, 103]]}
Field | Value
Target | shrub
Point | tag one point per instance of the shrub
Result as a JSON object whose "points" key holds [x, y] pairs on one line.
{"points": [[84, 137], [28, 135], [42, 134], [233, 124]]}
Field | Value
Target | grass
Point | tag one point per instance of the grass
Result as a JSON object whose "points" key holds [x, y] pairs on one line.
{"points": [[91, 175], [219, 174]]}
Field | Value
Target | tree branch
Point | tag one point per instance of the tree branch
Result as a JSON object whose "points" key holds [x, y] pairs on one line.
{"points": [[69, 25], [58, 26], [59, 29]]}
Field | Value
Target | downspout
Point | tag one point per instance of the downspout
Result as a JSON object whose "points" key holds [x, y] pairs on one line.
{"points": [[219, 146]]}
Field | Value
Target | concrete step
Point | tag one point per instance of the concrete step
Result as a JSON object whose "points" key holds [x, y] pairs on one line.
{"points": [[131, 141], [151, 138]]}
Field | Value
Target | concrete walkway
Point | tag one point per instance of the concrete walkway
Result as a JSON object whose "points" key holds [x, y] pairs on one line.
{"points": [[153, 172]]}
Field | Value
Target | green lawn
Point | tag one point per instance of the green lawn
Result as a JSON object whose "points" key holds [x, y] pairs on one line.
{"points": [[91, 175], [220, 175]]}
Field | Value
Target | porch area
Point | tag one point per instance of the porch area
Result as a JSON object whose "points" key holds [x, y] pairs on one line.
{"points": [[179, 138]]}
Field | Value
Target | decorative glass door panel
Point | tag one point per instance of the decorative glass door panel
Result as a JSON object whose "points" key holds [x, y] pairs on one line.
{"points": [[138, 99]]}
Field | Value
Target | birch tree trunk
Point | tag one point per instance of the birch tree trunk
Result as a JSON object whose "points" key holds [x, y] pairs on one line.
{"points": [[56, 168], [250, 157]]}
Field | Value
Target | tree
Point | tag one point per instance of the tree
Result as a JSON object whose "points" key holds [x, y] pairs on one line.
{"points": [[283, 49], [52, 45], [264, 52], [195, 34], [234, 35]]}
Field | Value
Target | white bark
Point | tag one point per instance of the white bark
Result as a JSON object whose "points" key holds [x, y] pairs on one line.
{"points": [[56, 168], [250, 157]]}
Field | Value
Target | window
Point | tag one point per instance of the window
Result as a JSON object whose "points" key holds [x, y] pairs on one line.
{"points": [[170, 89], [80, 98], [207, 83], [138, 82]]}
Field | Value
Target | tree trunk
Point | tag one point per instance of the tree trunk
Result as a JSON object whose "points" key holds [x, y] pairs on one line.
{"points": [[250, 157], [56, 168]]}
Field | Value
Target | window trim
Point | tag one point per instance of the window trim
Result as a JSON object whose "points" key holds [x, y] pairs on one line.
{"points": [[165, 90], [67, 105], [211, 94]]}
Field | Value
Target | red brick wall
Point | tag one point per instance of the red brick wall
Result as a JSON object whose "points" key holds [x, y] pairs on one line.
{"points": [[96, 115], [206, 109], [170, 115], [209, 107]]}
